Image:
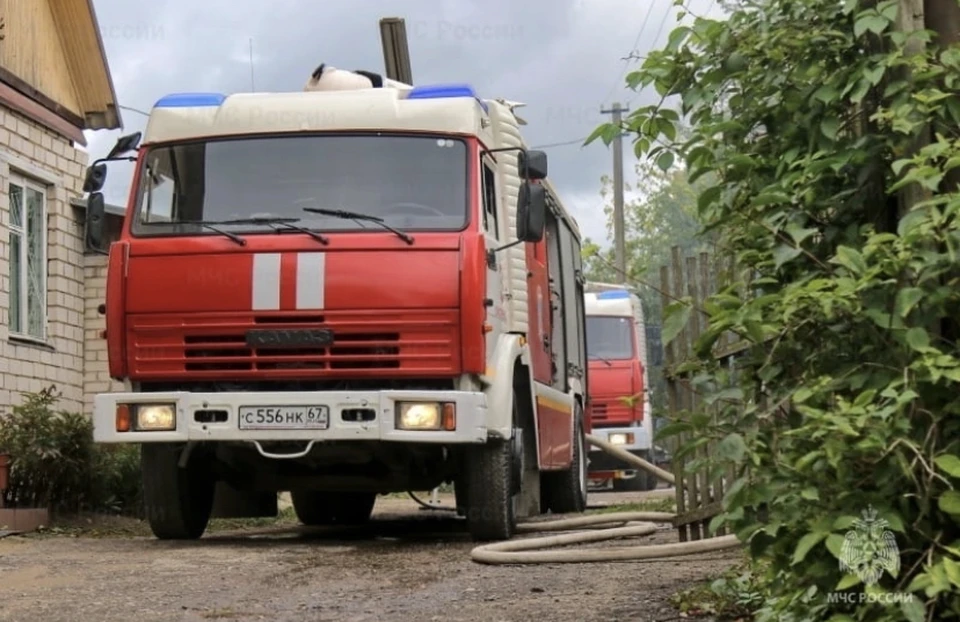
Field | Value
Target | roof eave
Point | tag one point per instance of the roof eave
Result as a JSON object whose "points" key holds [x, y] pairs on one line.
{"points": [[110, 118]]}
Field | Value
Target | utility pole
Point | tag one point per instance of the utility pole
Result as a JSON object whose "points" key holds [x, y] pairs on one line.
{"points": [[619, 242]]}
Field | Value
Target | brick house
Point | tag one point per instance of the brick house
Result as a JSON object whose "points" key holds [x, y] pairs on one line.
{"points": [[54, 83]]}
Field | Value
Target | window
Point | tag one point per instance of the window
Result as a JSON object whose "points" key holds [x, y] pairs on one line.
{"points": [[28, 259], [159, 198], [490, 201], [411, 182], [609, 338]]}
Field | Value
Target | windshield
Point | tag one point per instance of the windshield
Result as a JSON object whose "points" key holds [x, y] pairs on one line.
{"points": [[411, 182], [609, 338]]}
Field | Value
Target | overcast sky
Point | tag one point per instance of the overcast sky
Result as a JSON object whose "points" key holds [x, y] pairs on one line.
{"points": [[563, 58]]}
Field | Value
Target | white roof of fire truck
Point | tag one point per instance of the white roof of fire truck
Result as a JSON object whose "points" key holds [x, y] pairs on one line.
{"points": [[444, 109], [613, 300]]}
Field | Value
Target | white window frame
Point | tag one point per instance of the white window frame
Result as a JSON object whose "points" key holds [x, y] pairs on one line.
{"points": [[24, 332]]}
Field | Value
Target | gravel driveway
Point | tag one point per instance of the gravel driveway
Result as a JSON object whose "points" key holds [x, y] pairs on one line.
{"points": [[408, 565]]}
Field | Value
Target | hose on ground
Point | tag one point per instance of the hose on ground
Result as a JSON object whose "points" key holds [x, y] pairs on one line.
{"points": [[602, 528], [527, 550]]}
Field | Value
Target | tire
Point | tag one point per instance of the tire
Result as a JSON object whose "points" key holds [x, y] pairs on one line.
{"points": [[491, 503], [642, 482], [565, 492], [637, 483], [315, 508], [177, 502]]}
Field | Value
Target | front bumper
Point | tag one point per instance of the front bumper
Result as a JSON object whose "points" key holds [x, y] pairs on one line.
{"points": [[641, 440], [471, 416]]}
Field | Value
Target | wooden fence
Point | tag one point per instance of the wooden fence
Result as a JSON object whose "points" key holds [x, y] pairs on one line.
{"points": [[698, 490]]}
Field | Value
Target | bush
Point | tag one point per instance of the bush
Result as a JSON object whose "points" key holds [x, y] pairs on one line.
{"points": [[55, 463], [833, 136], [117, 478]]}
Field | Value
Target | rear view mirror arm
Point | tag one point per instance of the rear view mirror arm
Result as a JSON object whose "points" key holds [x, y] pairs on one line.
{"points": [[492, 253]]}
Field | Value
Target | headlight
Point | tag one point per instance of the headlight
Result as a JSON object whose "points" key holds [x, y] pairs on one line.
{"points": [[426, 416], [156, 417], [620, 438]]}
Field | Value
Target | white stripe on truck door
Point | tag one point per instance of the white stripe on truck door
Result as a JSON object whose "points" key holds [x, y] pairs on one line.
{"points": [[266, 282], [310, 281]]}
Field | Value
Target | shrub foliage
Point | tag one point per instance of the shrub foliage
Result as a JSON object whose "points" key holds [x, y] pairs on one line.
{"points": [[833, 137], [55, 463]]}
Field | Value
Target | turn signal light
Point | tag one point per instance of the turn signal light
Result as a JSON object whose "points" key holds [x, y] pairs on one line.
{"points": [[123, 418], [449, 417]]}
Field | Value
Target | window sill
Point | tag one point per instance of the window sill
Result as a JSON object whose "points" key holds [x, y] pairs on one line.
{"points": [[30, 342]]}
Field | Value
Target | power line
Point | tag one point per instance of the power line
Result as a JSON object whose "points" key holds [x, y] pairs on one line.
{"points": [[636, 42], [660, 29], [138, 111], [580, 141], [564, 143]]}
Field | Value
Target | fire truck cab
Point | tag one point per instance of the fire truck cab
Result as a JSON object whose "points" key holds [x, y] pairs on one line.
{"points": [[343, 294], [619, 404]]}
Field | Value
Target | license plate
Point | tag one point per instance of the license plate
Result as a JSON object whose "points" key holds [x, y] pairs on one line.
{"points": [[284, 417]]}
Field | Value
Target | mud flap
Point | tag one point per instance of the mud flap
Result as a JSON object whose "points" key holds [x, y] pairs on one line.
{"points": [[526, 474]]}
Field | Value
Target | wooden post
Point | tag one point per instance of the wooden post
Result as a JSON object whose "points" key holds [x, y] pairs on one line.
{"points": [[670, 359], [684, 394], [700, 477]]}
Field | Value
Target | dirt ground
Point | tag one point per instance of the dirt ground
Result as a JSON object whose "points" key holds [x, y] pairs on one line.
{"points": [[409, 564]]}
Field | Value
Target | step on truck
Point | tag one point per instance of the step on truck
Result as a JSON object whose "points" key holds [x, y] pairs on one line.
{"points": [[618, 402], [342, 294]]}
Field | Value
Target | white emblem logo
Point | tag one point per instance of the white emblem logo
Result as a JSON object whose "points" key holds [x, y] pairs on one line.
{"points": [[869, 549]]}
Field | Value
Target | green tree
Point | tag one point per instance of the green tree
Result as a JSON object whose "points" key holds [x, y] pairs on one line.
{"points": [[833, 136], [665, 215]]}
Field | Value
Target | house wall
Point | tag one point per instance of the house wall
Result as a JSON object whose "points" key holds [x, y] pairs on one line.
{"points": [[27, 150]]}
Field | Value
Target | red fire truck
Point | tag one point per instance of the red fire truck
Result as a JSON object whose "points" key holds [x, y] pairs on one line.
{"points": [[343, 294], [619, 404]]}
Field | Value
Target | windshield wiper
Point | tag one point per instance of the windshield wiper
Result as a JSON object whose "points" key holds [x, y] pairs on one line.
{"points": [[209, 225], [336, 213], [270, 221], [600, 358]]}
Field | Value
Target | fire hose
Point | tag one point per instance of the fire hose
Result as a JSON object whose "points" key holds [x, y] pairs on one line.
{"points": [[602, 527]]}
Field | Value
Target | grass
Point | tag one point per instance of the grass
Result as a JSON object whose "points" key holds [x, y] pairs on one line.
{"points": [[734, 595]]}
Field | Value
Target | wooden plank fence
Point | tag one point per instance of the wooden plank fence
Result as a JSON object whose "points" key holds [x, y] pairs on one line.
{"points": [[699, 491]]}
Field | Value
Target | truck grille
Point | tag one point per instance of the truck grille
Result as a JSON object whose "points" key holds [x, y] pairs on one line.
{"points": [[419, 342], [610, 411]]}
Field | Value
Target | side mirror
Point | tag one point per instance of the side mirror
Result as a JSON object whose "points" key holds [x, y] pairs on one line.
{"points": [[531, 212], [125, 144], [532, 165], [96, 176], [95, 223]]}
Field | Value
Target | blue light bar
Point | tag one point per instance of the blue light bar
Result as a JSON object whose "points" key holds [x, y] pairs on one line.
{"points": [[614, 294], [440, 91], [189, 100]]}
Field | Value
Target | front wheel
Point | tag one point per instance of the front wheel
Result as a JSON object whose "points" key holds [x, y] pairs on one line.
{"points": [[490, 484], [178, 501], [565, 492], [315, 508]]}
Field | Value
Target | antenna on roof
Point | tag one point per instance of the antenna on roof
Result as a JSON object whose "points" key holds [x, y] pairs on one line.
{"points": [[252, 87]]}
